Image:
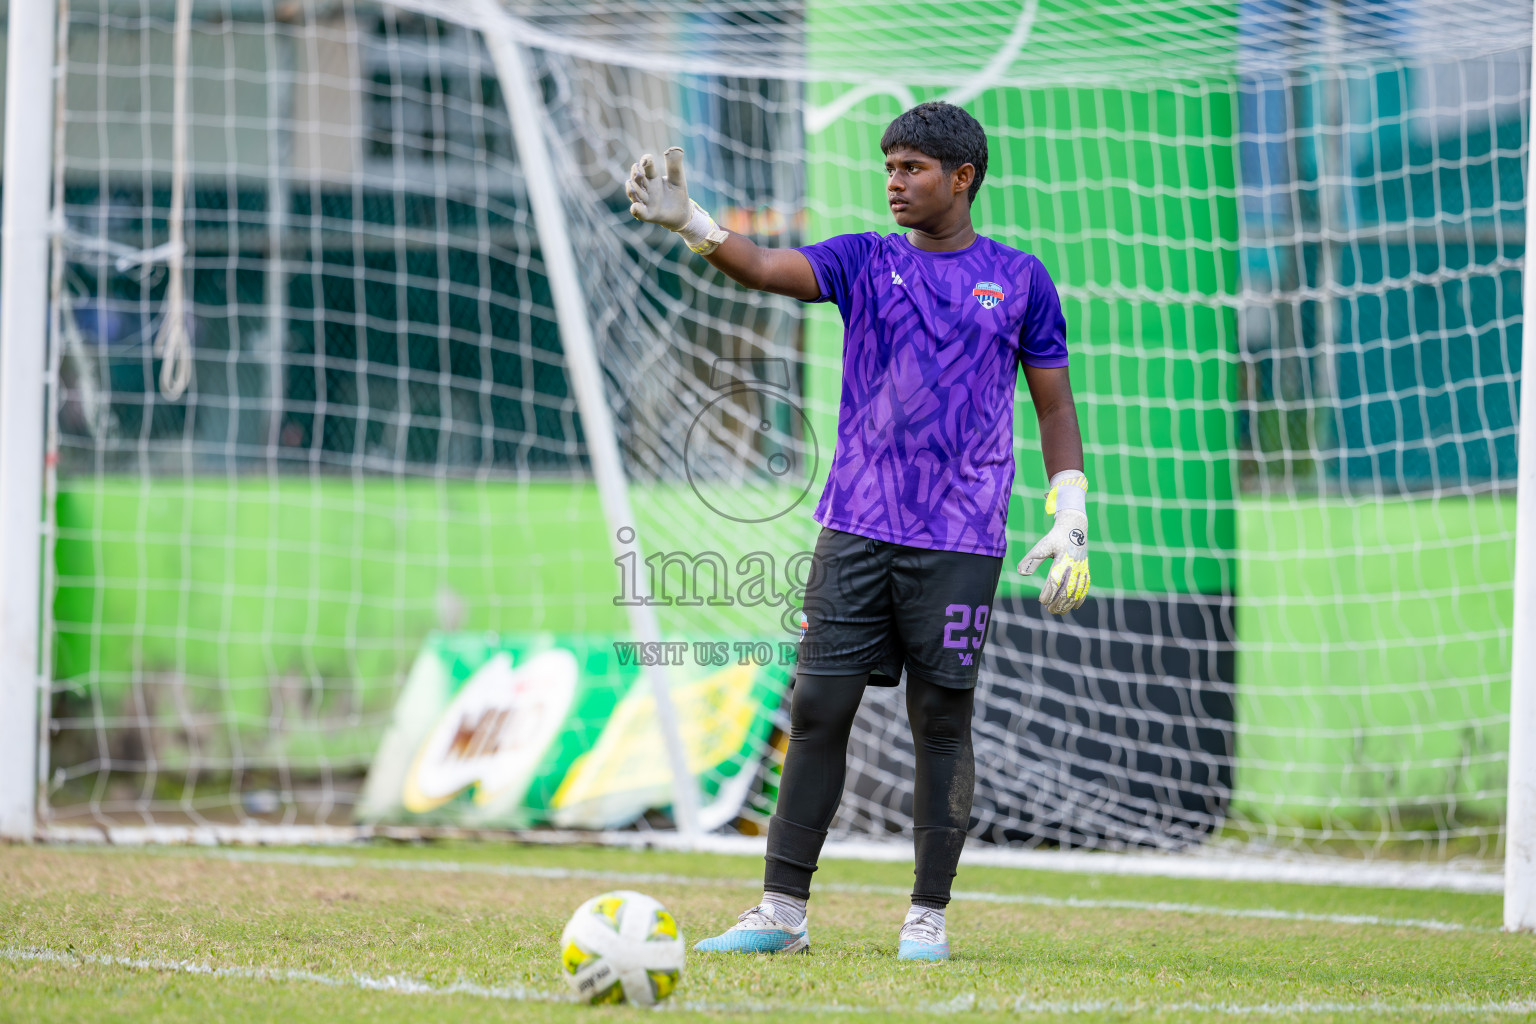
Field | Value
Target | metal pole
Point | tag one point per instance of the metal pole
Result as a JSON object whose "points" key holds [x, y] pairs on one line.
{"points": [[525, 107], [1520, 812], [24, 246], [280, 92], [1332, 221]]}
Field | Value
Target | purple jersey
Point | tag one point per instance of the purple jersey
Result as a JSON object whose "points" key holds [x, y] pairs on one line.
{"points": [[932, 343]]}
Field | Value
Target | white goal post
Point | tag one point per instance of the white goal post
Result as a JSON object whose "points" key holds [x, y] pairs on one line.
{"points": [[24, 308], [440, 387], [1520, 841]]}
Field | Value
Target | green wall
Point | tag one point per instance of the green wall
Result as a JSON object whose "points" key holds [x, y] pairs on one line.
{"points": [[254, 577], [238, 600], [251, 619], [237, 581], [1373, 664]]}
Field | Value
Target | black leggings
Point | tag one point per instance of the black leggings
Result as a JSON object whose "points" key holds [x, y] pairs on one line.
{"points": [[821, 717]]}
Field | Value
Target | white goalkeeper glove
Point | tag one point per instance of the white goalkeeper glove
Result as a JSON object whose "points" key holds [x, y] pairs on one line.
{"points": [[665, 201], [1066, 544]]}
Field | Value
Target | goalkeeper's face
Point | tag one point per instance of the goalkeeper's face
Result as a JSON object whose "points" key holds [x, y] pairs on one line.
{"points": [[920, 193]]}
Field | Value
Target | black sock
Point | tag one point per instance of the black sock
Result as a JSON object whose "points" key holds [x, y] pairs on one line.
{"points": [[944, 787], [937, 852], [822, 709], [792, 854]]}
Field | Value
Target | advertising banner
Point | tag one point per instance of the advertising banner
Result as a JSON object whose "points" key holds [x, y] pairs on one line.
{"points": [[503, 731]]}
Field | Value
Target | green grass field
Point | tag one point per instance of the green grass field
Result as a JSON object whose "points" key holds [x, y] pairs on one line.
{"points": [[468, 933]]}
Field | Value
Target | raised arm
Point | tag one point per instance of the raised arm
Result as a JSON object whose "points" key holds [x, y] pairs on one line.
{"points": [[664, 201], [783, 271]]}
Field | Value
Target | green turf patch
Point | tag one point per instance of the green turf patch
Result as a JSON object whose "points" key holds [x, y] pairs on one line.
{"points": [[469, 932]]}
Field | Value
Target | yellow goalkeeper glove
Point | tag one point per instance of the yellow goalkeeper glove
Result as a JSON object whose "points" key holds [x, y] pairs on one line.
{"points": [[1066, 545]]}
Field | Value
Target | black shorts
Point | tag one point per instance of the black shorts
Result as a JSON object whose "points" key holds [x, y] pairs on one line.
{"points": [[880, 607]]}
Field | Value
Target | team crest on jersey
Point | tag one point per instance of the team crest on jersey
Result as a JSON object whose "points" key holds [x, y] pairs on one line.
{"points": [[988, 293]]}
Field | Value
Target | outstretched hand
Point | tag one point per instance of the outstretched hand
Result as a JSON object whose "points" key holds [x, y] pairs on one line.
{"points": [[661, 200]]}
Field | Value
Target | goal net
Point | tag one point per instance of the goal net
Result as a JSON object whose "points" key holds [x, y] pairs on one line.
{"points": [[320, 441]]}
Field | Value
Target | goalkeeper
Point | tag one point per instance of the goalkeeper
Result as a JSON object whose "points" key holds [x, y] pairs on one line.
{"points": [[936, 321]]}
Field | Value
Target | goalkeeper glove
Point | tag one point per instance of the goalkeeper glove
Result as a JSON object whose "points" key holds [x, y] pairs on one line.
{"points": [[665, 201], [1066, 544]]}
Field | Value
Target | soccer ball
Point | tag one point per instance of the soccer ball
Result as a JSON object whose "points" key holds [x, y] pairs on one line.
{"points": [[621, 947]]}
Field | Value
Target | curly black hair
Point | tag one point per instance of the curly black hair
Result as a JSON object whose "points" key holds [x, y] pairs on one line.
{"points": [[945, 132]]}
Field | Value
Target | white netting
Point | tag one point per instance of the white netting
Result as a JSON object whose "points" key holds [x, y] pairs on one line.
{"points": [[1287, 236]]}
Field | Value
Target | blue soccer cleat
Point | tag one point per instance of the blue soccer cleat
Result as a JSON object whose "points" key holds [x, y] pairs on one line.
{"points": [[757, 931], [922, 936]]}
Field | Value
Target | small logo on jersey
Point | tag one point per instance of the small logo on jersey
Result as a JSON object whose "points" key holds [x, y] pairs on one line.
{"points": [[988, 293], [896, 278]]}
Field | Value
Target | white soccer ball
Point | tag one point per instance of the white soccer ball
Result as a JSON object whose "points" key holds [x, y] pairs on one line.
{"points": [[621, 947]]}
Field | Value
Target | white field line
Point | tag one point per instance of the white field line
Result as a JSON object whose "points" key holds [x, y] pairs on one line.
{"points": [[959, 895], [1205, 863], [388, 983], [403, 985], [1297, 1009]]}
